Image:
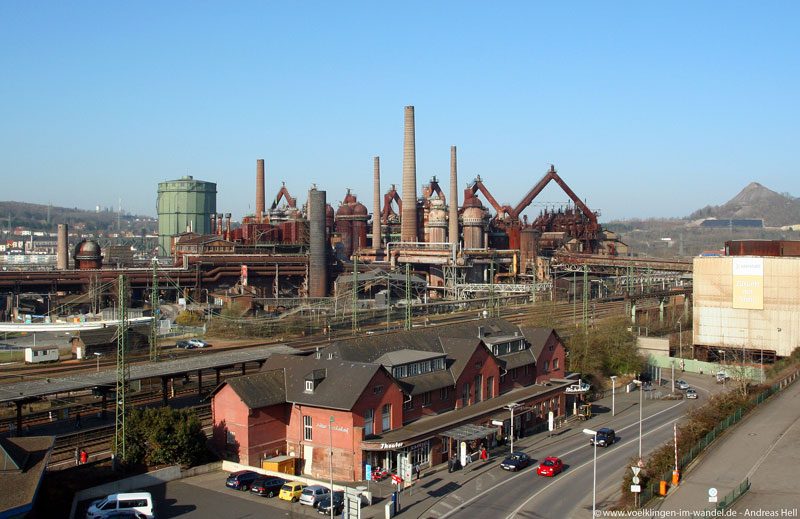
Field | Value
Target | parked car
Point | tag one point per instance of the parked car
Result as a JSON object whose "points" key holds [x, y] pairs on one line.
{"points": [[198, 343], [550, 467], [605, 437], [516, 461], [242, 480], [691, 393], [682, 384], [269, 486], [139, 502], [313, 494], [182, 344], [292, 491], [324, 506]]}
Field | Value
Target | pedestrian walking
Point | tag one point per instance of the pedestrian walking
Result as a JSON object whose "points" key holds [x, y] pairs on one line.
{"points": [[78, 421], [77, 456], [416, 470], [450, 465], [483, 454], [84, 456]]}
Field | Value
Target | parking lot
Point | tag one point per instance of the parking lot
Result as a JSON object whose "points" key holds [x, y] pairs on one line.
{"points": [[207, 497]]}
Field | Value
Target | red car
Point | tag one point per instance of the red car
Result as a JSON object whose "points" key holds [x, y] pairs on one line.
{"points": [[550, 467]]}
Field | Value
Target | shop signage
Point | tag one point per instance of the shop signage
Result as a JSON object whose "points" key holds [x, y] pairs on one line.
{"points": [[394, 445]]}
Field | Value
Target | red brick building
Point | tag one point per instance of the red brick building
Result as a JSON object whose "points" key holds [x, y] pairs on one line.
{"points": [[375, 400]]}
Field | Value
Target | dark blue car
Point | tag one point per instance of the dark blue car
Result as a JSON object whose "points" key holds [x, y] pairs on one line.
{"points": [[242, 480]]}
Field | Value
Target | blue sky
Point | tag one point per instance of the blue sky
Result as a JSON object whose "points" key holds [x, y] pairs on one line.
{"points": [[647, 109]]}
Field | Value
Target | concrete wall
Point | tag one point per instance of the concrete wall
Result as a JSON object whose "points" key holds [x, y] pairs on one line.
{"points": [[696, 366], [653, 345]]}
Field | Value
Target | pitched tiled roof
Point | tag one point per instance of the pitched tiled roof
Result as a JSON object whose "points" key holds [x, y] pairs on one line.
{"points": [[262, 389], [31, 454], [343, 384], [537, 337]]}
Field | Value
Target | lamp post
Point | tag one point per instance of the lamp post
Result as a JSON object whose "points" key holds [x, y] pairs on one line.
{"points": [[330, 439], [613, 388], [680, 340], [594, 470], [511, 407], [723, 363], [641, 402], [98, 355]]}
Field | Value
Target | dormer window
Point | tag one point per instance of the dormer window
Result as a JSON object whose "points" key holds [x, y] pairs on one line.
{"points": [[309, 386]]}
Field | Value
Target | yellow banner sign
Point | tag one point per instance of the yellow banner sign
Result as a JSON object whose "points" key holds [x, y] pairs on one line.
{"points": [[748, 283]]}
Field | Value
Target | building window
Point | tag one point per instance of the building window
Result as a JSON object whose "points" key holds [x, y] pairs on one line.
{"points": [[546, 366], [369, 419], [444, 393], [377, 390], [555, 364], [478, 388], [387, 417], [514, 373], [445, 445], [307, 429], [408, 404], [490, 387], [230, 437], [465, 395], [309, 386], [426, 398], [438, 364]]}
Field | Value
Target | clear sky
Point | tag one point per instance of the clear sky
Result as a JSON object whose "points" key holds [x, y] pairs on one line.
{"points": [[647, 109]]}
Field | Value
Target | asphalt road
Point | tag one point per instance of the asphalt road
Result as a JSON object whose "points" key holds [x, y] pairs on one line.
{"points": [[498, 494]]}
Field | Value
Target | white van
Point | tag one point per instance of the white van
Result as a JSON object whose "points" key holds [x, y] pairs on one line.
{"points": [[140, 502]]}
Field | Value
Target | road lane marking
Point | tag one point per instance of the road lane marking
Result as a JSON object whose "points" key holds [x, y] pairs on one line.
{"points": [[505, 481]]}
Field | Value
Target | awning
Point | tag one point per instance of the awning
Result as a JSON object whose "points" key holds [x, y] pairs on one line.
{"points": [[470, 432]]}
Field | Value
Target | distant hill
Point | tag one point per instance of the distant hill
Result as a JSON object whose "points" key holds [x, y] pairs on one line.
{"points": [[38, 217], [756, 201]]}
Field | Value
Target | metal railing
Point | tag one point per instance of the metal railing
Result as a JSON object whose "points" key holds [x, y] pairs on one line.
{"points": [[653, 489]]}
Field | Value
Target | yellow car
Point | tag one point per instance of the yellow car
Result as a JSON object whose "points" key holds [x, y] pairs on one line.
{"points": [[292, 491]]}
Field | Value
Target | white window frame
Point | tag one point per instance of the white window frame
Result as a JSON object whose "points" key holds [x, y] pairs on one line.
{"points": [[369, 422], [308, 429], [386, 417]]}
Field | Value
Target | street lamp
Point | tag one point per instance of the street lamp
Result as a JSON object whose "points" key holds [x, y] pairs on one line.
{"points": [[594, 470], [98, 355], [330, 439], [680, 340], [511, 407], [723, 363], [641, 402], [613, 388]]}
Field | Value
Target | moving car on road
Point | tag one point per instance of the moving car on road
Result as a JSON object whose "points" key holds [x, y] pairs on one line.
{"points": [[605, 437], [691, 393], [516, 461], [682, 384], [550, 466]]}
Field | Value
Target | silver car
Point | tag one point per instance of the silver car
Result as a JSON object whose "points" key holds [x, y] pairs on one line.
{"points": [[682, 384], [691, 393], [313, 495]]}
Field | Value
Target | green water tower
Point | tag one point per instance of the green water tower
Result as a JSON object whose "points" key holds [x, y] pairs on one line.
{"points": [[184, 205]]}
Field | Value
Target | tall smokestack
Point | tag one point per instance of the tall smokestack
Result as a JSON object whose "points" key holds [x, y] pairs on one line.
{"points": [[227, 226], [376, 202], [62, 247], [318, 263], [260, 188], [408, 229], [453, 212]]}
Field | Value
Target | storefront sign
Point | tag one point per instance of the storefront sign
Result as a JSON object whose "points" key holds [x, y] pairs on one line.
{"points": [[389, 446]]}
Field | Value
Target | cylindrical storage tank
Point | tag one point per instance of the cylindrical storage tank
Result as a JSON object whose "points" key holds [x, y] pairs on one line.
{"points": [[62, 250], [360, 217], [183, 203], [472, 221], [344, 226], [87, 255], [437, 222], [318, 262]]}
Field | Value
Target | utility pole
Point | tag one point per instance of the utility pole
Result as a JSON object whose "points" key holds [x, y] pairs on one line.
{"points": [[585, 295], [491, 288], [122, 369], [408, 297], [388, 299], [355, 296], [154, 307]]}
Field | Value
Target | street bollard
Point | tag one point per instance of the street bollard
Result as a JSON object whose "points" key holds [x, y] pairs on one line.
{"points": [[662, 488]]}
